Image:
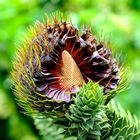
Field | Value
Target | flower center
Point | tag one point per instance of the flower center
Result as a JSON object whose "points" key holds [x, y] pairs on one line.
{"points": [[71, 75]]}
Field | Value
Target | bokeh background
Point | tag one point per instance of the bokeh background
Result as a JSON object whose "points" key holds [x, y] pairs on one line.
{"points": [[115, 19]]}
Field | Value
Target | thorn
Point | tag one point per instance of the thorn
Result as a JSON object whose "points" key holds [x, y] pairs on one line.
{"points": [[71, 21], [89, 27]]}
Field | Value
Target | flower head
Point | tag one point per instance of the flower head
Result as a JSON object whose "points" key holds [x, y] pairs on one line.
{"points": [[56, 60]]}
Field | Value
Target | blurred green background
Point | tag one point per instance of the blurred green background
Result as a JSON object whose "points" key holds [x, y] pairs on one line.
{"points": [[118, 20]]}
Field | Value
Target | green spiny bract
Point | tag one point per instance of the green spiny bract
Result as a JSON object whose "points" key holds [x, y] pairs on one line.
{"points": [[90, 118], [124, 125], [47, 129], [87, 118]]}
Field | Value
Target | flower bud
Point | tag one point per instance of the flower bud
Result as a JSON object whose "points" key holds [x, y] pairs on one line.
{"points": [[55, 60]]}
